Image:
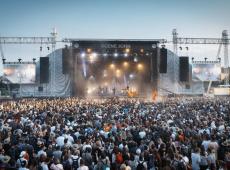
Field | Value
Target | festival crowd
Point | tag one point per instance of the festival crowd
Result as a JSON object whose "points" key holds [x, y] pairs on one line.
{"points": [[117, 134]]}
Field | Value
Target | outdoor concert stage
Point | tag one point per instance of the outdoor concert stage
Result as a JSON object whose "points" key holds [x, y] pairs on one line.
{"points": [[112, 68], [126, 68]]}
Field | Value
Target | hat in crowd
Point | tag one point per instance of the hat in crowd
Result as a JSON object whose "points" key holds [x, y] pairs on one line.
{"points": [[5, 159], [7, 141], [22, 154], [138, 151]]}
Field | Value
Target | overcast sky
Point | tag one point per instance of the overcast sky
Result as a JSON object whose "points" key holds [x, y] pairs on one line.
{"points": [[112, 19]]}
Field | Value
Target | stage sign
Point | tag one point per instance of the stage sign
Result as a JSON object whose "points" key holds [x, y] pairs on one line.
{"points": [[20, 73], [110, 45], [206, 72]]}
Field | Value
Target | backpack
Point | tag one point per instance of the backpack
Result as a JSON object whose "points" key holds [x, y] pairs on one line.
{"points": [[150, 163], [66, 165], [179, 165], [40, 167], [105, 166], [140, 166], [75, 163], [119, 158], [102, 166]]}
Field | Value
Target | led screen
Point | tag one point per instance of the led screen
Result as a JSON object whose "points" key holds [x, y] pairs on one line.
{"points": [[20, 73], [206, 72]]}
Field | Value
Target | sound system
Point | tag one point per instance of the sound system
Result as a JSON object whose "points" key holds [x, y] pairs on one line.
{"points": [[154, 64], [44, 69], [40, 88], [67, 61], [184, 69], [163, 60], [154, 68]]}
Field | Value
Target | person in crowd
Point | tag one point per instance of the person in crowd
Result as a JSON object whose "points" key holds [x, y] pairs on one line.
{"points": [[82, 165], [203, 159], [72, 133]]}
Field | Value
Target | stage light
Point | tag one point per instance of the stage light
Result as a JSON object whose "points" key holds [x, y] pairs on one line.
{"points": [[89, 91], [105, 73], [105, 55], [135, 59], [142, 50], [89, 50], [118, 73], [92, 57], [139, 66], [115, 54], [126, 54], [131, 76], [82, 54], [126, 64], [94, 54], [112, 66], [127, 50]]}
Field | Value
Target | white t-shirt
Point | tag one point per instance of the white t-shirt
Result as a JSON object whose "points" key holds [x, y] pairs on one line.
{"points": [[83, 168], [23, 168], [205, 143], [44, 166]]}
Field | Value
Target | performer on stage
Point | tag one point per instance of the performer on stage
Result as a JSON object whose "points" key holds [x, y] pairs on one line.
{"points": [[114, 91]]}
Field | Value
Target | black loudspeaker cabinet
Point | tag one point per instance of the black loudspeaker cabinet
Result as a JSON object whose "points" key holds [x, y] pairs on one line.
{"points": [[44, 69], [163, 60], [184, 69], [67, 60]]}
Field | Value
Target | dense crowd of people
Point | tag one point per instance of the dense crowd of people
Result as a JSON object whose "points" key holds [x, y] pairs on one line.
{"points": [[116, 134]]}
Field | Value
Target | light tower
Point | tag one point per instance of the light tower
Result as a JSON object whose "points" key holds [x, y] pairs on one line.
{"points": [[53, 64], [174, 34], [225, 42]]}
